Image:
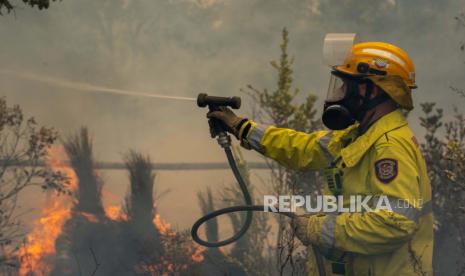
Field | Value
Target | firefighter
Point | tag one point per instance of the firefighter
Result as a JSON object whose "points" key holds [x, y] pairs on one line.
{"points": [[369, 150]]}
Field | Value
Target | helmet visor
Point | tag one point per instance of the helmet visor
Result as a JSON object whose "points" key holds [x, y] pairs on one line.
{"points": [[336, 90], [337, 46]]}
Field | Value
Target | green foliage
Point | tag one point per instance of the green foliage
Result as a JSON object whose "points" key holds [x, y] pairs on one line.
{"points": [[22, 142], [444, 152], [6, 5], [250, 252], [281, 107]]}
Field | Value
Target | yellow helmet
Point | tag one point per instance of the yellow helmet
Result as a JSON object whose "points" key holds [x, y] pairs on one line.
{"points": [[379, 58], [387, 65]]}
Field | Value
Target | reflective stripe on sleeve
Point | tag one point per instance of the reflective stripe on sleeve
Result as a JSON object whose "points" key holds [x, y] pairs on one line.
{"points": [[256, 136], [402, 207], [244, 129], [328, 231]]}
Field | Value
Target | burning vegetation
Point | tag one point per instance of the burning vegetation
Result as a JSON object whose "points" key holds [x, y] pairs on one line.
{"points": [[76, 235], [39, 246]]}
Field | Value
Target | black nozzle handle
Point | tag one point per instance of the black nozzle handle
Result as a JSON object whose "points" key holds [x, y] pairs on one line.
{"points": [[204, 100]]}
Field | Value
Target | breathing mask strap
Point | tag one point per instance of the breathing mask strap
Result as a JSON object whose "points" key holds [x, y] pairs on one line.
{"points": [[367, 103]]}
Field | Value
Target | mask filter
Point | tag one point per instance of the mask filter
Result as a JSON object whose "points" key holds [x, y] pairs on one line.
{"points": [[337, 117], [344, 105], [342, 102]]}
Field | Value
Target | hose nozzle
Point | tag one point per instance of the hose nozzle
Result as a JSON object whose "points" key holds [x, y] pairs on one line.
{"points": [[214, 102]]}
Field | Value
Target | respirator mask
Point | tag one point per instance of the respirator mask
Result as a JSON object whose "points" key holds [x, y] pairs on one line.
{"points": [[343, 104], [342, 98]]}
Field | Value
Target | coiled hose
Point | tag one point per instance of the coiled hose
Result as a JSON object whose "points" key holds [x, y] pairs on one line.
{"points": [[249, 208]]}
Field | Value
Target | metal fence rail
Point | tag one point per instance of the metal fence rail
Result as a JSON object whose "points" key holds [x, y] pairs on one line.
{"points": [[156, 166]]}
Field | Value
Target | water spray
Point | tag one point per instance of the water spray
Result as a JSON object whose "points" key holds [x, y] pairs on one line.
{"points": [[87, 87], [217, 130]]}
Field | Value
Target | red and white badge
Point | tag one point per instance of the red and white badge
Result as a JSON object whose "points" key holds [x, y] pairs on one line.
{"points": [[386, 170]]}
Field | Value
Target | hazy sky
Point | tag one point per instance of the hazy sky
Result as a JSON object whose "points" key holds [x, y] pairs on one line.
{"points": [[183, 47]]}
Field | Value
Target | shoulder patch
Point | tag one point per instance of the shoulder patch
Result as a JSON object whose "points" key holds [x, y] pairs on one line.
{"points": [[386, 170]]}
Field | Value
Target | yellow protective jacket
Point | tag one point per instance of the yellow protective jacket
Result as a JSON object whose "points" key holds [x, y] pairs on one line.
{"points": [[385, 160]]}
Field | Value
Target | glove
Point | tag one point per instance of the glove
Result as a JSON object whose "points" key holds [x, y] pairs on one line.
{"points": [[303, 232], [299, 225], [231, 121]]}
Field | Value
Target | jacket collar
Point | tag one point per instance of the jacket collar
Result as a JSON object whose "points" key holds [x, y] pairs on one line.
{"points": [[357, 149]]}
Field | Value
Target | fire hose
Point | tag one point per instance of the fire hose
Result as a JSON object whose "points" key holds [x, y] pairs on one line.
{"points": [[218, 129]]}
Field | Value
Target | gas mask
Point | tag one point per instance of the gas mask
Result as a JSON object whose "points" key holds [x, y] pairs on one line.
{"points": [[343, 102], [344, 105]]}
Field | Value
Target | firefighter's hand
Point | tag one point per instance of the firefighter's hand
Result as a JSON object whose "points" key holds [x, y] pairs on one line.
{"points": [[299, 225], [231, 120]]}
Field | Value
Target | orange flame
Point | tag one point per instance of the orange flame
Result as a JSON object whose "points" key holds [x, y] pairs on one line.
{"points": [[165, 229], [115, 213], [40, 242], [88, 216], [198, 254], [39, 247]]}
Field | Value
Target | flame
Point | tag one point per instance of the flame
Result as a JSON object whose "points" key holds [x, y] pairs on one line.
{"points": [[163, 227], [198, 254], [39, 244], [165, 230], [88, 216], [39, 250], [114, 212]]}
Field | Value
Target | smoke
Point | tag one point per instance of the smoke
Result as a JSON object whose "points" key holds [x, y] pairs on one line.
{"points": [[188, 47]]}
